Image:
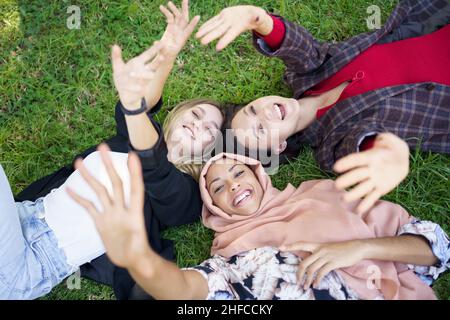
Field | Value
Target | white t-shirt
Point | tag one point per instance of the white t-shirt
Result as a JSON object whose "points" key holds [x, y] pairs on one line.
{"points": [[73, 226]]}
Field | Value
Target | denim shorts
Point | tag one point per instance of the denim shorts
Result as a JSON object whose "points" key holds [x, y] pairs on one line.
{"points": [[37, 264]]}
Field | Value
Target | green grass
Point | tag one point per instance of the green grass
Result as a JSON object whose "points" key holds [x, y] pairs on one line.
{"points": [[57, 96]]}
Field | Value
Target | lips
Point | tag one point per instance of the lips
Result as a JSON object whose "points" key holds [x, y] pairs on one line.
{"points": [[242, 197], [280, 110]]}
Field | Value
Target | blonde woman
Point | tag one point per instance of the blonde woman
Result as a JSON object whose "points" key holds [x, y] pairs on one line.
{"points": [[171, 163]]}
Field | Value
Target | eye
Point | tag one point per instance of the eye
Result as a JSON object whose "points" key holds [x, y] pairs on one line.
{"points": [[252, 109], [195, 114], [239, 173], [218, 189]]}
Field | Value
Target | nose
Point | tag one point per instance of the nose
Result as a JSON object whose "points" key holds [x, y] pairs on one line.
{"points": [[268, 112], [234, 186]]}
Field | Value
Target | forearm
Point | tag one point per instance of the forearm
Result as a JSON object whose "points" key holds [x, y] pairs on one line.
{"points": [[408, 249], [142, 133], [164, 280]]}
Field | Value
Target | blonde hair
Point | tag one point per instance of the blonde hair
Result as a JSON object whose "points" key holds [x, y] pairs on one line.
{"points": [[187, 164]]}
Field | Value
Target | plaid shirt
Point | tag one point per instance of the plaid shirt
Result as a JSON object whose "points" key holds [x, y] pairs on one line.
{"points": [[418, 113]]}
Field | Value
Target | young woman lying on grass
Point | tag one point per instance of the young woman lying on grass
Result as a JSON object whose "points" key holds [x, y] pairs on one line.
{"points": [[372, 94], [272, 244], [47, 239]]}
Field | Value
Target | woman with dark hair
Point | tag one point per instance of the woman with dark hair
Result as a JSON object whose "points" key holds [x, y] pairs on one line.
{"points": [[362, 101], [275, 244], [46, 236]]}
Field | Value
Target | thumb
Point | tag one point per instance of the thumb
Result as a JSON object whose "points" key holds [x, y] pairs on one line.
{"points": [[116, 57], [300, 246]]}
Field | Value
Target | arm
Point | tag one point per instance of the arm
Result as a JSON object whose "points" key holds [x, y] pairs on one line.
{"points": [[146, 74], [300, 51], [325, 257], [122, 230]]}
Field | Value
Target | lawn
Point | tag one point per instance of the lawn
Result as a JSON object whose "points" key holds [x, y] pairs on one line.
{"points": [[57, 96]]}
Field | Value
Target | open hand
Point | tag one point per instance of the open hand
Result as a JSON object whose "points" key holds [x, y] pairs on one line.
{"points": [[374, 172], [179, 28], [121, 227], [233, 21]]}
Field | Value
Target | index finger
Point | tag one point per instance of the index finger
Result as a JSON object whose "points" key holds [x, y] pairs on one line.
{"points": [[137, 183], [185, 9], [351, 161]]}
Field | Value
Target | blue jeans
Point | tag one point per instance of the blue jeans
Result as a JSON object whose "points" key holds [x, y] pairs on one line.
{"points": [[31, 263]]}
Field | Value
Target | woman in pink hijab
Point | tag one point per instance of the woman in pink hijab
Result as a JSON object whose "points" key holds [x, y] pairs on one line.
{"points": [[299, 243]]}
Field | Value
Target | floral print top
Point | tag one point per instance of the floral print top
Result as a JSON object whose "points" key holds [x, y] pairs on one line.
{"points": [[269, 274]]}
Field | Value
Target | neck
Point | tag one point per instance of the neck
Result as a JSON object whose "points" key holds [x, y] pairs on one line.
{"points": [[308, 109]]}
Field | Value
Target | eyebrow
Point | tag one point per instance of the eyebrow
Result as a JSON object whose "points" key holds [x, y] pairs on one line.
{"points": [[215, 180], [202, 111], [245, 112], [232, 167]]}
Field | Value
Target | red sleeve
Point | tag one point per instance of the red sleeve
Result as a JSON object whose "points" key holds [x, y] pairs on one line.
{"points": [[276, 37], [367, 143]]}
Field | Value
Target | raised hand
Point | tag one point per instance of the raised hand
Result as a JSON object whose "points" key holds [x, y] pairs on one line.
{"points": [[120, 226], [133, 78], [374, 172], [233, 21], [179, 28]]}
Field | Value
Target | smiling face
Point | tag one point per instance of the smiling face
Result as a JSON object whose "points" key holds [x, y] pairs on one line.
{"points": [[267, 122], [234, 187], [193, 130]]}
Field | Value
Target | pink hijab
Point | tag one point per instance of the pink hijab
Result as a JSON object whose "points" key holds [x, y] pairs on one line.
{"points": [[314, 212]]}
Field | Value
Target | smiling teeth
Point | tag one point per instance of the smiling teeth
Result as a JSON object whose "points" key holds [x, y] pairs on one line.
{"points": [[280, 115], [241, 197]]}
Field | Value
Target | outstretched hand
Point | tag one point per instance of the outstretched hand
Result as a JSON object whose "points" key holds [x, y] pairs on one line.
{"points": [[120, 226], [231, 22], [133, 78], [179, 28], [374, 172]]}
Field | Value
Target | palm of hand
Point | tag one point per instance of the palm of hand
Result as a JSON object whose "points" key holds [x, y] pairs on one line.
{"points": [[123, 236]]}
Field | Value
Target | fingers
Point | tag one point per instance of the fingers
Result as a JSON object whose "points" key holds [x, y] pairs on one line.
{"points": [[352, 177], [86, 204], [304, 265], [232, 34], [311, 271], [300, 246], [359, 191], [169, 16], [208, 26], [185, 9], [98, 188], [150, 53], [116, 182], [137, 183], [326, 269], [217, 32], [368, 201], [351, 161], [116, 57], [191, 26], [174, 9]]}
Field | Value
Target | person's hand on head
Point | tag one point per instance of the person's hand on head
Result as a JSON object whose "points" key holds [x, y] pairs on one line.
{"points": [[133, 78], [179, 28], [231, 22], [120, 226], [374, 172]]}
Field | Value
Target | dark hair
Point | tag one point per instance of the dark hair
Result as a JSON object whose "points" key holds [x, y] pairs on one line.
{"points": [[230, 110]]}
